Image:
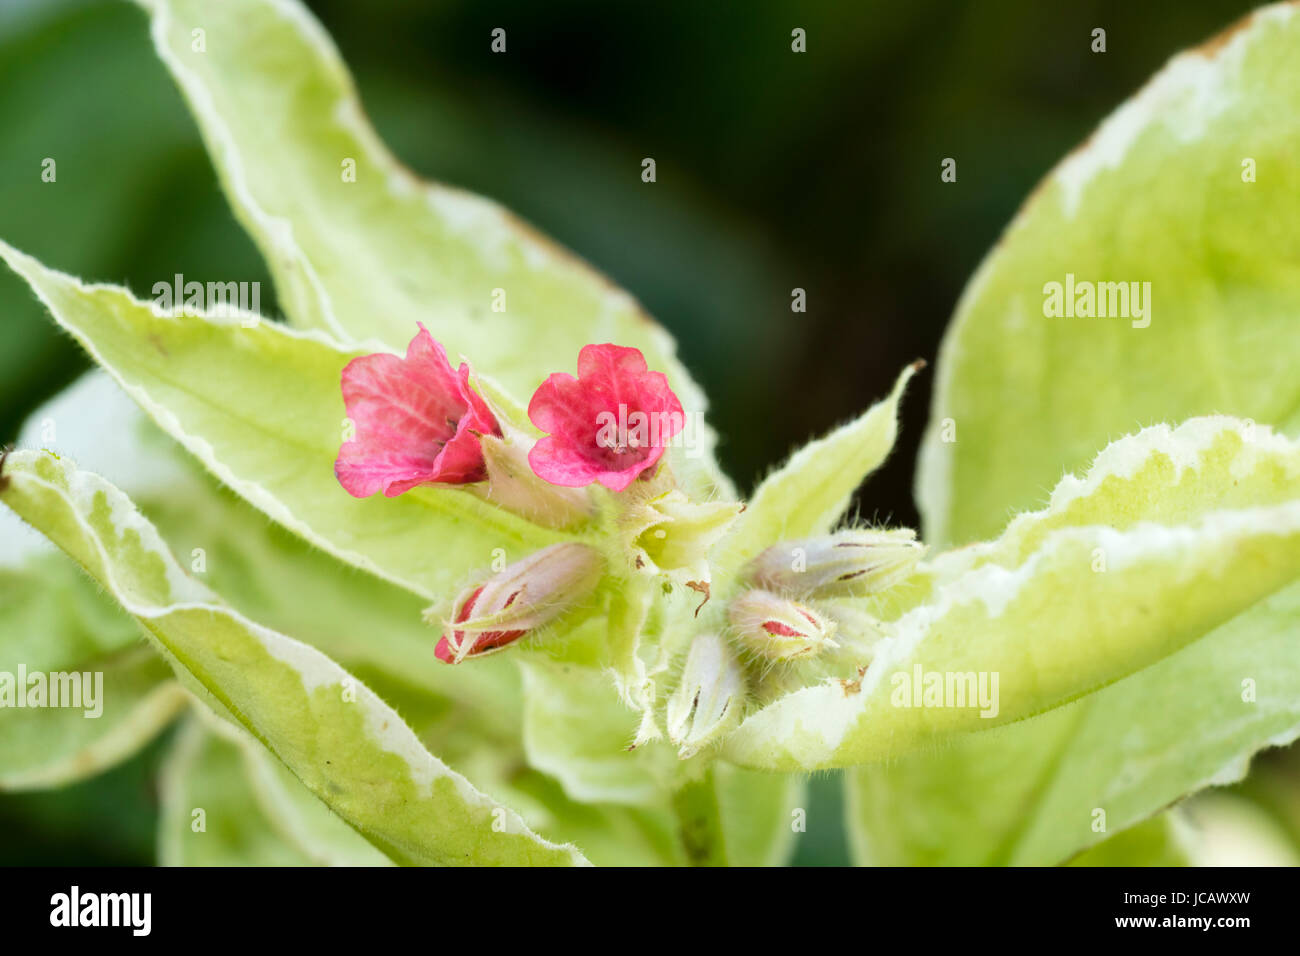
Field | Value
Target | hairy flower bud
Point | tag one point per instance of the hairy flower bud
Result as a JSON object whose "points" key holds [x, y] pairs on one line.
{"points": [[846, 564], [779, 629], [526, 595], [707, 701], [669, 532]]}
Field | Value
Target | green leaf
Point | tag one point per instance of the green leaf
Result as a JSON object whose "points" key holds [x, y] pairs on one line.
{"points": [[132, 700], [1160, 841], [577, 730], [1090, 590], [366, 256], [811, 491], [348, 747], [372, 628], [757, 810], [260, 406], [729, 816], [51, 616], [1020, 397], [1156, 195], [210, 814], [54, 620], [294, 811], [609, 834], [1027, 793]]}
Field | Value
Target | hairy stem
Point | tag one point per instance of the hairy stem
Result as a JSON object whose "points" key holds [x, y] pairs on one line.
{"points": [[699, 822]]}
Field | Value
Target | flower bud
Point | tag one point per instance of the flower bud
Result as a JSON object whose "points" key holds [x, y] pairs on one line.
{"points": [[707, 701], [527, 594], [669, 532], [849, 563], [779, 629]]}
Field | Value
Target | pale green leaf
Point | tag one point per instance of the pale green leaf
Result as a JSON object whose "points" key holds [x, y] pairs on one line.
{"points": [[1055, 609], [1027, 793], [294, 811], [372, 628], [1157, 194], [811, 491], [1021, 397], [54, 620], [348, 747], [362, 249], [578, 730], [132, 698], [260, 406], [51, 616], [210, 815]]}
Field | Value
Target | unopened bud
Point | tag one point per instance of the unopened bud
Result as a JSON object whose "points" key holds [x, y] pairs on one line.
{"points": [[669, 532], [780, 629], [519, 599], [707, 702], [846, 564]]}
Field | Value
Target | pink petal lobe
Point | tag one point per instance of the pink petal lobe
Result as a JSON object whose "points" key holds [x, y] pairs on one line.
{"points": [[416, 421], [609, 425]]}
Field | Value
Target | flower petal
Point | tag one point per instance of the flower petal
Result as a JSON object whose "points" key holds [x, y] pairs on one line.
{"points": [[417, 421], [609, 425]]}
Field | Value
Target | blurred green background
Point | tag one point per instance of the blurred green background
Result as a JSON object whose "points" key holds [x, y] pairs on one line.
{"points": [[775, 171]]}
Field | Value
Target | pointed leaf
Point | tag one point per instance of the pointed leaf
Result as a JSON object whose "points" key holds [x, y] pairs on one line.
{"points": [[260, 406], [1158, 194], [811, 491], [1055, 610], [1028, 793], [361, 248], [348, 747]]}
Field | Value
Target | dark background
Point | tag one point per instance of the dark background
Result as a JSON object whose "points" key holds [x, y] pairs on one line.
{"points": [[775, 170]]}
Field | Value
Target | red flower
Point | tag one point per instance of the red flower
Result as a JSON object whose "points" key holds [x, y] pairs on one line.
{"points": [[609, 424], [417, 422]]}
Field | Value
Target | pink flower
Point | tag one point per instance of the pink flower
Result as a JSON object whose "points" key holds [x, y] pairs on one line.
{"points": [[417, 422], [609, 424]]}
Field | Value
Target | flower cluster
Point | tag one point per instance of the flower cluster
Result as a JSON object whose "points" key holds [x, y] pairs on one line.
{"points": [[596, 447], [417, 422]]}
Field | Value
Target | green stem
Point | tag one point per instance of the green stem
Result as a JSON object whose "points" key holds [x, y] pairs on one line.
{"points": [[699, 822]]}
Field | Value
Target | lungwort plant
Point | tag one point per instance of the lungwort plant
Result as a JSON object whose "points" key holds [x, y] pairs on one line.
{"points": [[442, 569]]}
